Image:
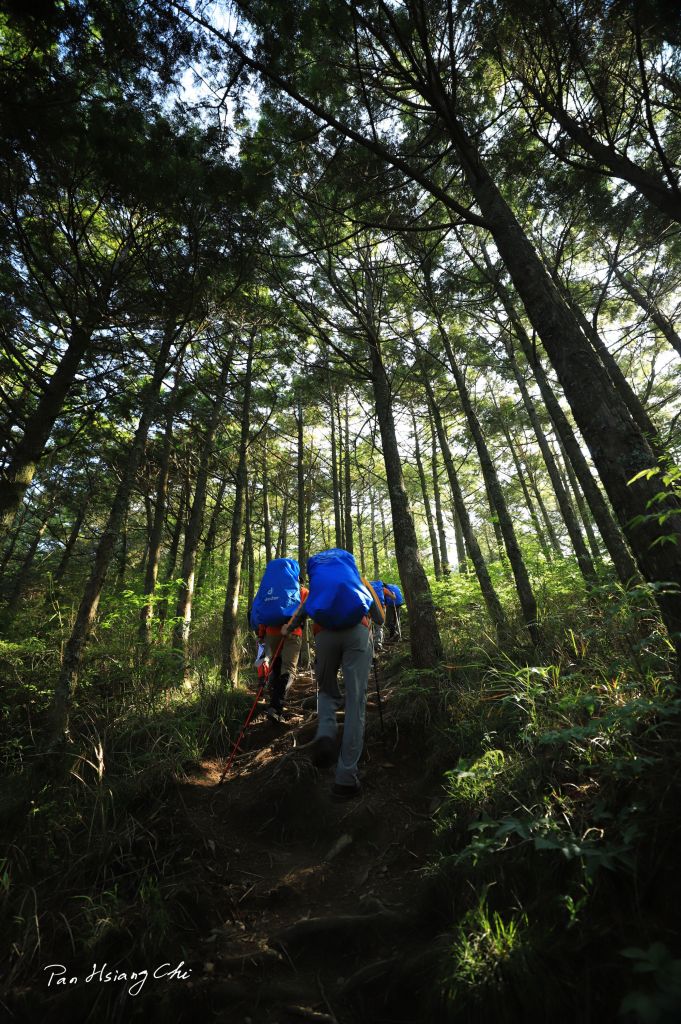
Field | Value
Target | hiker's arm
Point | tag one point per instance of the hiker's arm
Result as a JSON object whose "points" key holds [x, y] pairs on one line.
{"points": [[297, 620]]}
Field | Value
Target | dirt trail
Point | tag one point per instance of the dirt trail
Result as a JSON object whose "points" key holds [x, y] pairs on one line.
{"points": [[309, 899]]}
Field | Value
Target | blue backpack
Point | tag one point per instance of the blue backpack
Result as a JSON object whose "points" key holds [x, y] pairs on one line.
{"points": [[338, 599], [278, 594], [393, 588], [378, 587]]}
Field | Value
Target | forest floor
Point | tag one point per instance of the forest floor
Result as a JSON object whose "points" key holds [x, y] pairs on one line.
{"points": [[306, 901]]}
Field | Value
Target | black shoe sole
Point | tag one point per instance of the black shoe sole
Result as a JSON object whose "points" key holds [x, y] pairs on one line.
{"points": [[345, 792], [323, 755]]}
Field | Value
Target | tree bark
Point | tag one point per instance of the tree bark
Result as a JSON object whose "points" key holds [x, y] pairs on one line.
{"points": [[613, 538], [338, 523], [374, 540], [282, 539], [612, 368], [544, 512], [230, 632], [349, 543], [266, 521], [172, 553], [526, 596], [192, 536], [250, 554], [426, 645], [437, 565], [534, 519], [21, 579], [300, 478], [156, 532], [462, 559], [566, 510], [360, 541], [15, 480], [618, 447], [439, 515], [211, 535], [579, 502], [489, 594], [60, 571]]}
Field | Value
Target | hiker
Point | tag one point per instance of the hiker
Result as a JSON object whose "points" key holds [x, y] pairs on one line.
{"points": [[393, 598], [342, 607], [279, 595], [379, 629]]}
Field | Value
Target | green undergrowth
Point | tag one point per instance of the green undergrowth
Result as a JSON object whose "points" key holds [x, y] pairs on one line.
{"points": [[554, 888], [98, 866]]}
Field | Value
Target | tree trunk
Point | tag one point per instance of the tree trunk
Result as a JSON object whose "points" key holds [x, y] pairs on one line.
{"points": [[230, 631], [266, 522], [526, 596], [426, 501], [23, 573], [87, 610], [8, 553], [426, 646], [618, 447], [360, 540], [172, 553], [15, 480], [655, 315], [624, 564], [211, 535], [534, 519], [374, 540], [579, 502], [462, 560], [613, 371], [282, 539], [156, 532], [566, 510], [548, 525], [192, 536], [489, 594], [122, 554], [439, 516], [349, 545], [60, 571], [300, 478], [384, 530], [334, 467]]}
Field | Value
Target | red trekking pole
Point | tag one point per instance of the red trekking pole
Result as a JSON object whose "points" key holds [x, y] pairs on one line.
{"points": [[249, 716]]}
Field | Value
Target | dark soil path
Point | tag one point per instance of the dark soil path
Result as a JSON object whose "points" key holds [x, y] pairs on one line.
{"points": [[306, 903]]}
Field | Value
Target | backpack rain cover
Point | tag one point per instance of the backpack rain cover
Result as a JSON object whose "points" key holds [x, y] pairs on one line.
{"points": [[338, 599], [278, 594]]}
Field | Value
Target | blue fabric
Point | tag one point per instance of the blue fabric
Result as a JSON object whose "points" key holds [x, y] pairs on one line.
{"points": [[395, 590], [338, 599], [278, 594], [378, 587]]}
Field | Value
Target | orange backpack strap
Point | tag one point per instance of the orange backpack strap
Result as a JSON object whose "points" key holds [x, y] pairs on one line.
{"points": [[374, 596]]}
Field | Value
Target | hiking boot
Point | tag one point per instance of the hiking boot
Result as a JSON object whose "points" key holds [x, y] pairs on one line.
{"points": [[275, 716], [339, 792], [323, 752]]}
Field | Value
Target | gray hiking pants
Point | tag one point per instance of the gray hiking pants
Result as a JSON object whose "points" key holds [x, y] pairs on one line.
{"points": [[351, 649]]}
